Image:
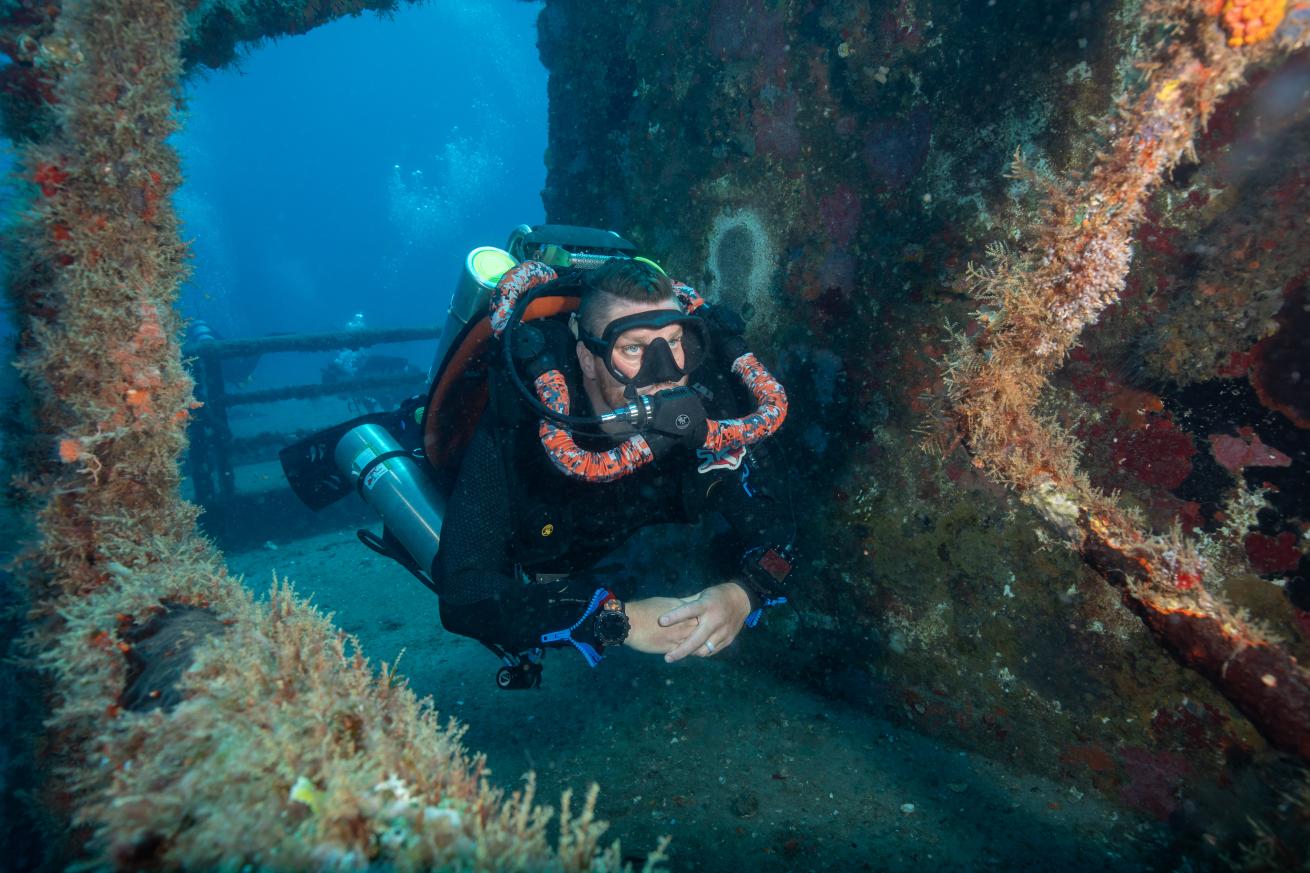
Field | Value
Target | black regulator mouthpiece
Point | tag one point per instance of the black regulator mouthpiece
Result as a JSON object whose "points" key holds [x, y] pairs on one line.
{"points": [[680, 414]]}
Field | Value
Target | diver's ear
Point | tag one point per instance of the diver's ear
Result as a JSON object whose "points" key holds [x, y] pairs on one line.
{"points": [[586, 360]]}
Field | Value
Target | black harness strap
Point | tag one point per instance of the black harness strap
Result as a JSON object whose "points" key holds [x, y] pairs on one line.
{"points": [[364, 472]]}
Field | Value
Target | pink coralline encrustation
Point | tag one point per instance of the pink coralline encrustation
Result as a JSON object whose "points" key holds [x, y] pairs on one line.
{"points": [[1268, 555], [1157, 454], [840, 213], [837, 271], [1153, 780], [776, 133], [896, 148], [1245, 450], [748, 29]]}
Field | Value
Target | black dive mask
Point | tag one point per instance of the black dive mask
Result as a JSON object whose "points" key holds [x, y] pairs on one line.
{"points": [[656, 360]]}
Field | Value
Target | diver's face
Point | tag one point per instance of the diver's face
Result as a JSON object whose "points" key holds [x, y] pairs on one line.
{"points": [[628, 352]]}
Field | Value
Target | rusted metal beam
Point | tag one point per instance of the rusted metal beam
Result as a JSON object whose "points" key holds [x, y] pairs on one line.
{"points": [[308, 342], [309, 392], [1040, 301]]}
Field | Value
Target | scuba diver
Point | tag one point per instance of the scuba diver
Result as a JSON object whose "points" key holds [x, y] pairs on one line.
{"points": [[582, 396], [237, 372], [353, 364]]}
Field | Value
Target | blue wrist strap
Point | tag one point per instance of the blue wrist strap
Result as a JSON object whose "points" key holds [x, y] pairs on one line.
{"points": [[593, 657], [754, 618]]}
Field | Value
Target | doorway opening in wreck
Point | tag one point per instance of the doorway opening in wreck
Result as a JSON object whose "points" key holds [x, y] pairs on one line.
{"points": [[338, 178]]}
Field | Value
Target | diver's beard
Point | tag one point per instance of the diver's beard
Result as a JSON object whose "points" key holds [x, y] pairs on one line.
{"points": [[610, 392], [605, 396]]}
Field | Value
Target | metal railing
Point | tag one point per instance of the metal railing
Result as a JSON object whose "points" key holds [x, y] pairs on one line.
{"points": [[214, 452]]}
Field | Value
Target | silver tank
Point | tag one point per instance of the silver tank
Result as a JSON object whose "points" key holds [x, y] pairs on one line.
{"points": [[397, 489], [482, 270]]}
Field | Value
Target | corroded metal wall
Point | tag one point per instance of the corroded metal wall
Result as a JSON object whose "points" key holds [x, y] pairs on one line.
{"points": [[188, 726], [832, 169]]}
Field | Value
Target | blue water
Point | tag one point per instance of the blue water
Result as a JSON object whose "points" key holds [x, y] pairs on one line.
{"points": [[7, 195], [350, 169]]}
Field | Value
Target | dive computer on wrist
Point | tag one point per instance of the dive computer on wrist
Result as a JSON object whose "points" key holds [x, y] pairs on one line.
{"points": [[611, 624]]}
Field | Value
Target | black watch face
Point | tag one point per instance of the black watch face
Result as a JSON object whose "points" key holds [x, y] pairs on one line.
{"points": [[611, 627]]}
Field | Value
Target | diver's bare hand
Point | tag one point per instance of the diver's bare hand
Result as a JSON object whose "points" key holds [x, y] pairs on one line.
{"points": [[646, 634], [720, 611]]}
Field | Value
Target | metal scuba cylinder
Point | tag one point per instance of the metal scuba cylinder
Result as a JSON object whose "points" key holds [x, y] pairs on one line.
{"points": [[392, 482], [482, 269], [199, 332]]}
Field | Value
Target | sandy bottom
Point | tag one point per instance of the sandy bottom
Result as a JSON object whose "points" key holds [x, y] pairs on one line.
{"points": [[742, 770]]}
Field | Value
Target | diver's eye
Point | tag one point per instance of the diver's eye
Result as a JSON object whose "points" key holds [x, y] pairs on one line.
{"points": [[675, 342], [631, 350]]}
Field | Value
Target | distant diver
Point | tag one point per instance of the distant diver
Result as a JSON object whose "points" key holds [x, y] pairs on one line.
{"points": [[578, 394], [237, 372], [354, 364]]}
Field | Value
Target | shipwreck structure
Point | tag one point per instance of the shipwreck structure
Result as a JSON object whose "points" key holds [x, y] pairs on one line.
{"points": [[171, 691], [1111, 401], [1032, 275]]}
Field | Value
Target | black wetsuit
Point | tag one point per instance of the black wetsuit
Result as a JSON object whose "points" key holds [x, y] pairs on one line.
{"points": [[519, 535]]}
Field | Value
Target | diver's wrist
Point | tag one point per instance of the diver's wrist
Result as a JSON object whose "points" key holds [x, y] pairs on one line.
{"points": [[752, 597]]}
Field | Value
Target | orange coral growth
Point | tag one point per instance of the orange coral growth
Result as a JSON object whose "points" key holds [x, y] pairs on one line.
{"points": [[150, 197], [1134, 407], [150, 334], [1251, 21], [50, 178], [69, 450]]}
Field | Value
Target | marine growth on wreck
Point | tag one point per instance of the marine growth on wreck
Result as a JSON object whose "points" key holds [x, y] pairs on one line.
{"points": [[1032, 280]]}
